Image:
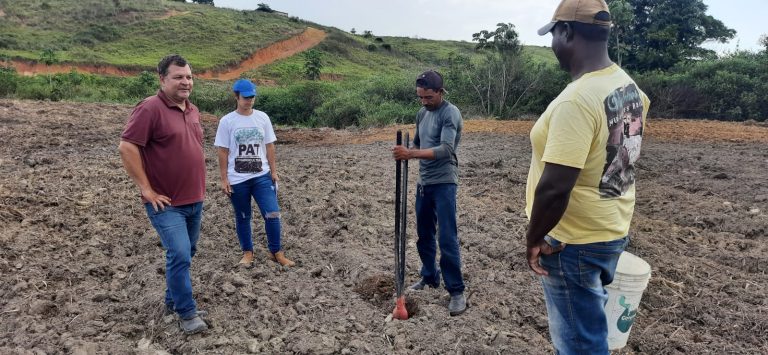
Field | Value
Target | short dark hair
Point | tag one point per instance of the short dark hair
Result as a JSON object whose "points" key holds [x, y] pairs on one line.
{"points": [[175, 59], [590, 32]]}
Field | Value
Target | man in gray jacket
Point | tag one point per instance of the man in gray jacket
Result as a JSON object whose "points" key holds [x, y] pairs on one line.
{"points": [[438, 131]]}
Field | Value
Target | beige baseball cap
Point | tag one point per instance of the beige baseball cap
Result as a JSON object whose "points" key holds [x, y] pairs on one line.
{"points": [[584, 11]]}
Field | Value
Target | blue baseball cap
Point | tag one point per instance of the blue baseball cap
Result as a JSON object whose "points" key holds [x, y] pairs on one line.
{"points": [[245, 87]]}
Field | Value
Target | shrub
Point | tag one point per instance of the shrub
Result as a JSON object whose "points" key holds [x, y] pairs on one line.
{"points": [[214, 97], [66, 86], [724, 88], [97, 33], [341, 111], [295, 104], [142, 85], [8, 81], [388, 113], [264, 8], [371, 47], [398, 88], [373, 102], [34, 90]]}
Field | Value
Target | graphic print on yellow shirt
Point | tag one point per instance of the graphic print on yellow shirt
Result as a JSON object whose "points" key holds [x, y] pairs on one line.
{"points": [[624, 110], [595, 125], [248, 144]]}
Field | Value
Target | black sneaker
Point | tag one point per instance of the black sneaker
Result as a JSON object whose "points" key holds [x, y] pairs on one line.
{"points": [[457, 305]]}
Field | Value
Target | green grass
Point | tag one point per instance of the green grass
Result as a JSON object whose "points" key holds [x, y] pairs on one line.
{"points": [[540, 54], [346, 57], [133, 34], [371, 79], [351, 57]]}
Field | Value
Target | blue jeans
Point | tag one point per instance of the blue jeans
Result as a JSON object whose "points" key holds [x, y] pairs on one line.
{"points": [[179, 229], [263, 190], [436, 210], [575, 294]]}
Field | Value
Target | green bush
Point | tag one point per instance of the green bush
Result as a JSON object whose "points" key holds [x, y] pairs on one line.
{"points": [[399, 88], [373, 102], [142, 85], [388, 113], [726, 89], [294, 104], [532, 87], [34, 90], [97, 33], [8, 81], [341, 111], [213, 96]]}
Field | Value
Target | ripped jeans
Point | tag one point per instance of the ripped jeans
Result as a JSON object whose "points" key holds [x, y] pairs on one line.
{"points": [[263, 190]]}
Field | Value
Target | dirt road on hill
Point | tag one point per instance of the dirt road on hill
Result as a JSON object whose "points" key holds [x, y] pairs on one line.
{"points": [[82, 270], [272, 53]]}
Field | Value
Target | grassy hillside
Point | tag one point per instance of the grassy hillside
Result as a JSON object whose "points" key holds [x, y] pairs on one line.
{"points": [[135, 33], [366, 80], [351, 57]]}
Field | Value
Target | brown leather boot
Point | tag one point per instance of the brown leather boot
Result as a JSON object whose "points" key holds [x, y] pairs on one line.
{"points": [[280, 258]]}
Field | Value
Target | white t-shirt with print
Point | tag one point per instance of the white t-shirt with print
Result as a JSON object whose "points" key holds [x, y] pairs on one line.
{"points": [[246, 137]]}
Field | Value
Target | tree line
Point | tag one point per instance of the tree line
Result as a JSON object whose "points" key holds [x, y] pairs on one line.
{"points": [[659, 41]]}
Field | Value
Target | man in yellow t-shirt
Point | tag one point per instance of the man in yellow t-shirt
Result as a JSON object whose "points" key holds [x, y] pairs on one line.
{"points": [[581, 184]]}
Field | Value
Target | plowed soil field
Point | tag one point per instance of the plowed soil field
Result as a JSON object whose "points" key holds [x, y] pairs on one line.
{"points": [[82, 271]]}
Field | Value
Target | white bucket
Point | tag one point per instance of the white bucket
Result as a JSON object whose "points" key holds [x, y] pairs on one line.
{"points": [[624, 293]]}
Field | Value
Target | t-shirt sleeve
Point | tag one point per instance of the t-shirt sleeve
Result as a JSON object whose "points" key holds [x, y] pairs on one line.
{"points": [[269, 131], [448, 132], [571, 132], [451, 123], [222, 134], [138, 130]]}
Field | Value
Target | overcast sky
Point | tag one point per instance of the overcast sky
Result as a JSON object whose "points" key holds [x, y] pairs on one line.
{"points": [[459, 19]]}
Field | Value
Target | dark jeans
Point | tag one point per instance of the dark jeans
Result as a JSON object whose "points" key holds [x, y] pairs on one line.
{"points": [[179, 229], [263, 190], [436, 211]]}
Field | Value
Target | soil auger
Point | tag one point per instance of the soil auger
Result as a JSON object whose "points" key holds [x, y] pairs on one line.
{"points": [[401, 198]]}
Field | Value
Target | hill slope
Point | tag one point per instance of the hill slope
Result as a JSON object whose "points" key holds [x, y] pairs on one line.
{"points": [[133, 34], [124, 37]]}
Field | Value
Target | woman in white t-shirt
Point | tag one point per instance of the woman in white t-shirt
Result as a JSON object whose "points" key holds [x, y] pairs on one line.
{"points": [[246, 152]]}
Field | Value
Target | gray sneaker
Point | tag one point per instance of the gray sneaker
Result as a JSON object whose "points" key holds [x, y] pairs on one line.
{"points": [[457, 305], [421, 285], [193, 325], [170, 311]]}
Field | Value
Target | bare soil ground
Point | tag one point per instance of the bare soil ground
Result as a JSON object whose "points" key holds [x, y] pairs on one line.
{"points": [[81, 270]]}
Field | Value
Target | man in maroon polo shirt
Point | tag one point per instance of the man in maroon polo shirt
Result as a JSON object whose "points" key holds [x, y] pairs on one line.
{"points": [[162, 151]]}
